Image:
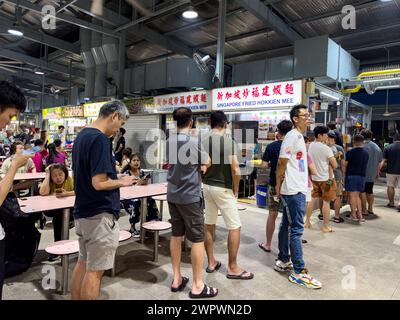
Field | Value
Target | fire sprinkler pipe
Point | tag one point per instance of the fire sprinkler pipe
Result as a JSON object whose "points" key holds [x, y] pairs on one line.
{"points": [[370, 73]]}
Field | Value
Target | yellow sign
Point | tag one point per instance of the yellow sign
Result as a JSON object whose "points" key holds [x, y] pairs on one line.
{"points": [[92, 109], [52, 113], [72, 111]]}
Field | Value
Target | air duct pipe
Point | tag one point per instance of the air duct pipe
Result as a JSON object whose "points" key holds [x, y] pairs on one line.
{"points": [[88, 61], [100, 89]]}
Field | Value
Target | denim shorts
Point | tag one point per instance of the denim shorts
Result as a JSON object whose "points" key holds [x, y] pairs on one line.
{"points": [[354, 184]]}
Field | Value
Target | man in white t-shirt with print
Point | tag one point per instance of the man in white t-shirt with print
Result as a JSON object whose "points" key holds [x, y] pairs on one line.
{"points": [[324, 187], [292, 187]]}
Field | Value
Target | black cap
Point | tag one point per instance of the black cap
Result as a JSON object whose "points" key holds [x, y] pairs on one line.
{"points": [[331, 134]]}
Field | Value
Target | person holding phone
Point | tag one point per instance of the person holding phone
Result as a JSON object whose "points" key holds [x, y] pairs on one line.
{"points": [[18, 148], [132, 206], [58, 182]]}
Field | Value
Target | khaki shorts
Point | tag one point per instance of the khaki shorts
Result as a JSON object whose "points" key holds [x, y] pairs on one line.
{"points": [[339, 188], [187, 219], [321, 189], [393, 180], [222, 199], [98, 241], [273, 206]]}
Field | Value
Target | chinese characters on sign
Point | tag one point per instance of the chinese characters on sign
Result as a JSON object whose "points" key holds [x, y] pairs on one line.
{"points": [[52, 113], [92, 109], [264, 95], [72, 111], [197, 101]]}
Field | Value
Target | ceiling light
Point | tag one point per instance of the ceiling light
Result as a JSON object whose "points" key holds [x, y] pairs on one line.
{"points": [[38, 72], [386, 0], [190, 13], [15, 32]]}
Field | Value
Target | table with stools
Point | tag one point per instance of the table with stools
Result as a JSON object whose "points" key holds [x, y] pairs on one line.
{"points": [[35, 177]]}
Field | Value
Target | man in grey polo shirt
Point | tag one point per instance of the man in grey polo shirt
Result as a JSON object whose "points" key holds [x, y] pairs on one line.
{"points": [[187, 158]]}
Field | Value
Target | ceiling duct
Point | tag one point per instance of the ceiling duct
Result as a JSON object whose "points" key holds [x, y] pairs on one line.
{"points": [[88, 61], [100, 88]]}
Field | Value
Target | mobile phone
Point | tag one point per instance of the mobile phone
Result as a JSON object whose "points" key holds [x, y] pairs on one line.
{"points": [[28, 152], [58, 191]]}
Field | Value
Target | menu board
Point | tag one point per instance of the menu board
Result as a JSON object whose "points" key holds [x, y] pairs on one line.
{"points": [[92, 109], [72, 111], [52, 113], [197, 101]]}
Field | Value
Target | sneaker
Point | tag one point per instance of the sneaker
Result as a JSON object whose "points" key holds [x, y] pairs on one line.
{"points": [[304, 279], [135, 234], [252, 198], [281, 266]]}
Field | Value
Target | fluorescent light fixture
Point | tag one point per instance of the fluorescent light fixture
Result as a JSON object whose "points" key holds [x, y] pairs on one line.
{"points": [[39, 72], [386, 0], [329, 95], [381, 80], [190, 13], [15, 32], [388, 87], [86, 99]]}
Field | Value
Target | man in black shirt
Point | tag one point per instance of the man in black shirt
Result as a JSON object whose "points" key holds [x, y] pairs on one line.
{"points": [[97, 203], [270, 159], [391, 157]]}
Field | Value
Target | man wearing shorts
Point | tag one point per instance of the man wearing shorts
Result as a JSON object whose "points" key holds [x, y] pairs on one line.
{"points": [[323, 187], [391, 157], [355, 171], [270, 159], [340, 156], [375, 157], [97, 203], [187, 159], [221, 187]]}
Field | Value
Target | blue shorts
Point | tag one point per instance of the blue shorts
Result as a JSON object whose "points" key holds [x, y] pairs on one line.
{"points": [[354, 184]]}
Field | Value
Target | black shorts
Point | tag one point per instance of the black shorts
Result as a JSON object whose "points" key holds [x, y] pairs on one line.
{"points": [[187, 219], [254, 174], [369, 188]]}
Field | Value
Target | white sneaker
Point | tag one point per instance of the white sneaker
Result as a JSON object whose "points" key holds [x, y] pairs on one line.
{"points": [[281, 266], [304, 279]]}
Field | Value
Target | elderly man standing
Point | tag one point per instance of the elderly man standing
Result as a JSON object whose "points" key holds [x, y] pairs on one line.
{"points": [[97, 203]]}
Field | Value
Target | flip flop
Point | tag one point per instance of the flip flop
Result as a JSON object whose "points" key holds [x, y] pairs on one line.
{"points": [[260, 245], [330, 230], [390, 205], [338, 220], [240, 276], [304, 241], [217, 266], [207, 292], [181, 286], [370, 212]]}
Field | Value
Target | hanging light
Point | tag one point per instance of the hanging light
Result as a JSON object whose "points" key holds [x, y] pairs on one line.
{"points": [[190, 13], [15, 32], [38, 72]]}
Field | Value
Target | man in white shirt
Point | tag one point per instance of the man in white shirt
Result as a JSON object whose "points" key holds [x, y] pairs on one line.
{"points": [[292, 187], [324, 186]]}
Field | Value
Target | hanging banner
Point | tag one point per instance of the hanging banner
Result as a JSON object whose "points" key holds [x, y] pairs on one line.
{"points": [[52, 113], [197, 101], [92, 109], [270, 95], [72, 111]]}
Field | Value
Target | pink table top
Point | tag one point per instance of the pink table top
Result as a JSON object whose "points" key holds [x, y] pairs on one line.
{"points": [[47, 203], [157, 225], [63, 247], [124, 235], [29, 176]]}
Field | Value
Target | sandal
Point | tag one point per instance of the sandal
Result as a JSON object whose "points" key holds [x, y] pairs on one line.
{"points": [[261, 246], [320, 217], [217, 266], [181, 286], [207, 292], [389, 205], [241, 276], [338, 220]]}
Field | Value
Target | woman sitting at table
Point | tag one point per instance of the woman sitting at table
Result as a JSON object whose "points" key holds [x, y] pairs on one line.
{"points": [[58, 182], [133, 206], [126, 155], [55, 156], [17, 148]]}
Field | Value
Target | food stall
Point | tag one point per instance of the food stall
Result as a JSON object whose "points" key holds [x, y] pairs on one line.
{"points": [[74, 122], [91, 111], [52, 118]]}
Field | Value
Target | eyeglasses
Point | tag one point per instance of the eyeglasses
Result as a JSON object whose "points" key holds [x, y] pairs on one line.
{"points": [[307, 116]]}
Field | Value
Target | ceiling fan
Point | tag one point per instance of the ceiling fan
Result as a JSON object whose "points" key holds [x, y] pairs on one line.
{"points": [[387, 113]]}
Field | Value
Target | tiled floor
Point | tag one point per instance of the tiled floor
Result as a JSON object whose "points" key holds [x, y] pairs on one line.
{"points": [[355, 262]]}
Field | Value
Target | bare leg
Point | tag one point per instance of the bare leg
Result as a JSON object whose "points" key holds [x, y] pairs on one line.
{"points": [[338, 204], [390, 193], [370, 200], [77, 278], [197, 255], [91, 285], [326, 210], [309, 211], [209, 244], [270, 229], [176, 253], [363, 197], [359, 208], [353, 204], [233, 248]]}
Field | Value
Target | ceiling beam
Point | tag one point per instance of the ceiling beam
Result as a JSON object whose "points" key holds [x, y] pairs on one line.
{"points": [[13, 55], [265, 14], [41, 37], [67, 18], [376, 46], [27, 75], [284, 50]]}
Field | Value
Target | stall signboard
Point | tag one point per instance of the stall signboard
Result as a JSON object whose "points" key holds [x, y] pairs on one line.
{"points": [[72, 111], [52, 113], [269, 95], [92, 109], [139, 105], [197, 101]]}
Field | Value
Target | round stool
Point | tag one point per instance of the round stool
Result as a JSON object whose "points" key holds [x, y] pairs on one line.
{"points": [[161, 198], [63, 248], [156, 227], [124, 235]]}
